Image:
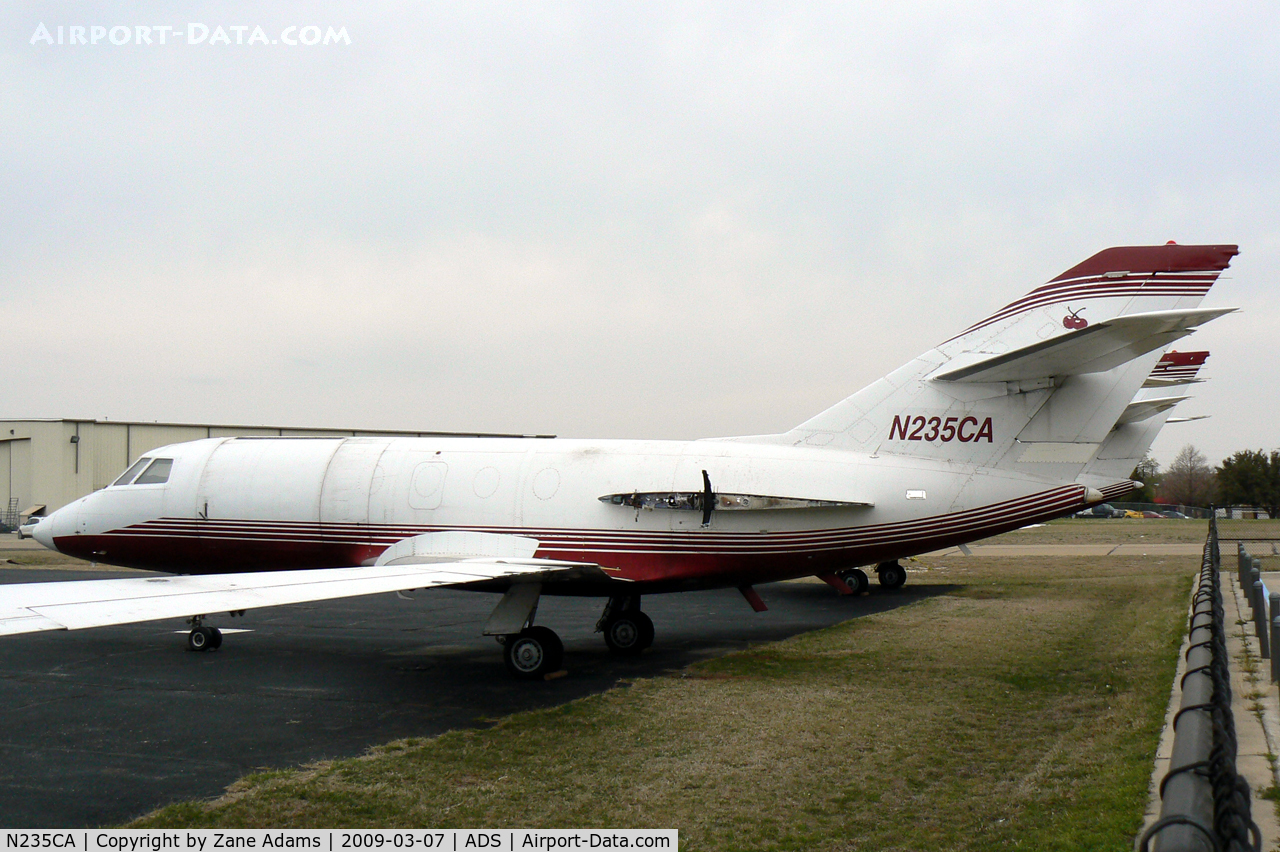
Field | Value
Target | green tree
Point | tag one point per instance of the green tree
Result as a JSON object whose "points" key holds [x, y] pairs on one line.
{"points": [[1148, 473], [1251, 478]]}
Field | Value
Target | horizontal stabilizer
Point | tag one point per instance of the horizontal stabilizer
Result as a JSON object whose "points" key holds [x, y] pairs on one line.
{"points": [[1095, 349], [1176, 368], [32, 607], [1187, 419], [1143, 408], [1169, 383]]}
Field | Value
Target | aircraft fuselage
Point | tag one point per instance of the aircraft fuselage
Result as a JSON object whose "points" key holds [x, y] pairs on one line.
{"points": [[259, 504]]}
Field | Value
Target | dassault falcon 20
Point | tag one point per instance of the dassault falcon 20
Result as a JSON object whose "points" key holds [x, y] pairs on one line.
{"points": [[1040, 409]]}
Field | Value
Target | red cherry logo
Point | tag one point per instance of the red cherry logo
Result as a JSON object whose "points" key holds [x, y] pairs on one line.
{"points": [[1073, 320]]}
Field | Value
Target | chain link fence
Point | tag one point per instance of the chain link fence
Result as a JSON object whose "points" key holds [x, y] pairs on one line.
{"points": [[1252, 526]]}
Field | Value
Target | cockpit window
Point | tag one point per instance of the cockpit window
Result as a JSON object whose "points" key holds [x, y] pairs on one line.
{"points": [[157, 473], [128, 475]]}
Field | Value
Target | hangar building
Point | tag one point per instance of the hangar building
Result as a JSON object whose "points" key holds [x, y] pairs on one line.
{"points": [[45, 464]]}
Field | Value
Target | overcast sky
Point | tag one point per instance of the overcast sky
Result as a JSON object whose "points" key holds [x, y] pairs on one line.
{"points": [[606, 219]]}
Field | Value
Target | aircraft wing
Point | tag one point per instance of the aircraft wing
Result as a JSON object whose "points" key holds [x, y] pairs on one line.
{"points": [[33, 607], [1095, 349]]}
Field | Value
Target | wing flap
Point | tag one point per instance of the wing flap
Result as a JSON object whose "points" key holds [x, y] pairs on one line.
{"points": [[1095, 349], [33, 607]]}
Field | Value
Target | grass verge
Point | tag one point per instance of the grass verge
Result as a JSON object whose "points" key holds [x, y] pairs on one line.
{"points": [[1110, 531], [1021, 710]]}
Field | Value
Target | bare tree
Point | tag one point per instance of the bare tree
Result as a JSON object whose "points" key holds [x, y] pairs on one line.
{"points": [[1189, 479]]}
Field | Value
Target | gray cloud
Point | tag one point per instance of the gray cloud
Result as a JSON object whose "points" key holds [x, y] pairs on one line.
{"points": [[618, 220]]}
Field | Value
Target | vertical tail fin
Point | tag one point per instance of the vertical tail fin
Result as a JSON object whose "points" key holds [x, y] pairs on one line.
{"points": [[1038, 385]]}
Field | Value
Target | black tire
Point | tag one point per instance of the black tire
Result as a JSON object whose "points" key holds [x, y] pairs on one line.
{"points": [[533, 653], [200, 638], [856, 579], [628, 633], [892, 575], [215, 638]]}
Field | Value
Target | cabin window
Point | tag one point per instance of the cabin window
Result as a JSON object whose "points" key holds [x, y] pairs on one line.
{"points": [[157, 473], [128, 475]]}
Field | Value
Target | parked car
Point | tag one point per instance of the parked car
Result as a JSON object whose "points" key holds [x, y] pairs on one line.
{"points": [[1104, 510], [1149, 514], [1132, 513], [27, 529], [1176, 515]]}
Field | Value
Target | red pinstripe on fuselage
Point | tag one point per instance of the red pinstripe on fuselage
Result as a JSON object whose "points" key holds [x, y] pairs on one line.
{"points": [[655, 560]]}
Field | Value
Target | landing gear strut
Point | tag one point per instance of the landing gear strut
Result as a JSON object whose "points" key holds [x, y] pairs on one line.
{"points": [[627, 630], [892, 575]]}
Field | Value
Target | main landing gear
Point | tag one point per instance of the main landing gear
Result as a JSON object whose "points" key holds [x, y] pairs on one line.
{"points": [[892, 575], [856, 579], [531, 652], [627, 631], [203, 638]]}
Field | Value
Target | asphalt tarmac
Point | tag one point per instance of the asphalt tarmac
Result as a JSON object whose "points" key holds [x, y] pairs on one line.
{"points": [[100, 726]]}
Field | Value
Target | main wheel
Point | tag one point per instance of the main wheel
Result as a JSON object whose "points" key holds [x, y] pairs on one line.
{"points": [[201, 638], [215, 638], [892, 575], [628, 633], [533, 653], [856, 579]]}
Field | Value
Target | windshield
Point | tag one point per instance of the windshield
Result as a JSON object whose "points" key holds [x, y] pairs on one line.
{"points": [[154, 472], [157, 473], [128, 475]]}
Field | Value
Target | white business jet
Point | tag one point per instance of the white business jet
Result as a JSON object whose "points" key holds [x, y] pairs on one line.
{"points": [[1039, 410]]}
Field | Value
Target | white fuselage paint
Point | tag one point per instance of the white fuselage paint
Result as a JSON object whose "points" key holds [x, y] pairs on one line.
{"points": [[272, 503]]}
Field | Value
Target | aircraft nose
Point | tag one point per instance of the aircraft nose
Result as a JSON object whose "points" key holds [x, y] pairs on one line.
{"points": [[56, 524], [43, 532]]}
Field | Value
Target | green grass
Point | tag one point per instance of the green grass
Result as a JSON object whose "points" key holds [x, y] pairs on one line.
{"points": [[1110, 531], [1019, 711]]}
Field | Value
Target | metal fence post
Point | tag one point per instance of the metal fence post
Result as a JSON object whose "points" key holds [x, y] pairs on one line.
{"points": [[1259, 612], [1266, 606], [1275, 658]]}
